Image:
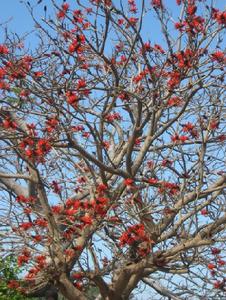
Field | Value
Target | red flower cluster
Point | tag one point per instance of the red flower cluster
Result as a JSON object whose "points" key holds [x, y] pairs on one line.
{"points": [[132, 21], [86, 219], [72, 98], [41, 261], [113, 116], [190, 128], [55, 186], [136, 236], [4, 50], [100, 205], [77, 44], [81, 84], [26, 225], [179, 139], [174, 101], [219, 284], [18, 69], [152, 180], [64, 8], [132, 6], [26, 200], [35, 150], [140, 76], [57, 209], [184, 59], [174, 79], [146, 47], [219, 16], [193, 26], [13, 284], [24, 257], [158, 48], [169, 188], [32, 273], [41, 222], [204, 212], [218, 56], [9, 124], [128, 182], [157, 4], [166, 162], [51, 124]]}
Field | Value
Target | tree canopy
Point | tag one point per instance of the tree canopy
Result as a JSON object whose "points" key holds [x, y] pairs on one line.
{"points": [[112, 147]]}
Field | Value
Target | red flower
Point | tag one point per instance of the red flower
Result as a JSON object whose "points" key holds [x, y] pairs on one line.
{"points": [[41, 222], [87, 219], [128, 181], [9, 124], [183, 138], [115, 219], [176, 138], [65, 6], [26, 225], [71, 212], [78, 285], [191, 10], [77, 275], [150, 164], [218, 284], [13, 284], [4, 49], [221, 262], [72, 98], [121, 21], [23, 199], [222, 137], [133, 21], [136, 234], [24, 258], [61, 14], [102, 187], [152, 180], [81, 84], [157, 3], [43, 147], [215, 251], [218, 56], [204, 212], [51, 124], [56, 209], [41, 261], [174, 101], [214, 124], [159, 49], [166, 162], [37, 238], [175, 78], [113, 116], [38, 74], [211, 266], [219, 16], [56, 187]]}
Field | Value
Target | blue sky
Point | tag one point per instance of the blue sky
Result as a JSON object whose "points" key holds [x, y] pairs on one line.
{"points": [[19, 20]]}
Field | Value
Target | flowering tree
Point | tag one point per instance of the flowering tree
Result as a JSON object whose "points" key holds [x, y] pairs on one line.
{"points": [[112, 145]]}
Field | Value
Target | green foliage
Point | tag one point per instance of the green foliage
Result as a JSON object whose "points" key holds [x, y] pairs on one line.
{"points": [[9, 270], [92, 292]]}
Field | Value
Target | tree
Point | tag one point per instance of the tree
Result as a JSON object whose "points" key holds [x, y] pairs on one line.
{"points": [[9, 272], [112, 145]]}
